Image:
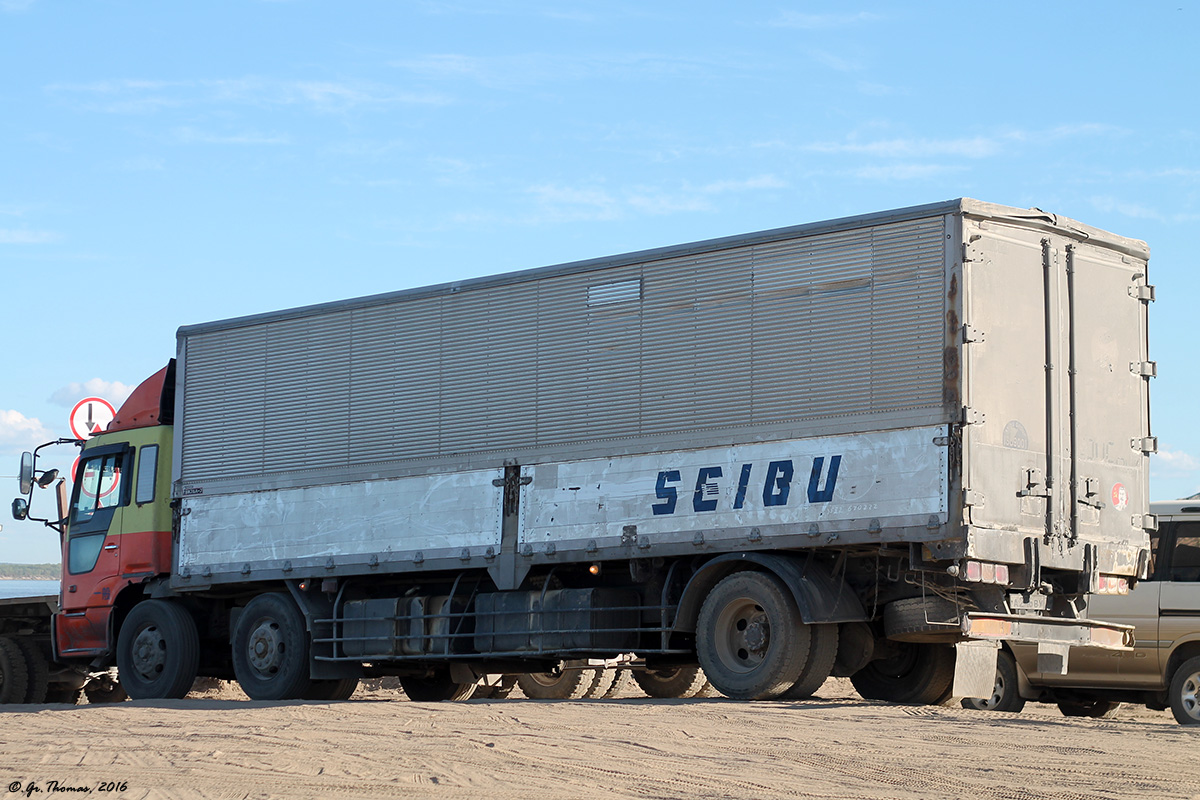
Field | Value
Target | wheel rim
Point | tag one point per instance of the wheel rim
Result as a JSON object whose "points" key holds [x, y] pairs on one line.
{"points": [[997, 694], [743, 635], [547, 679], [266, 648], [149, 652], [1191, 687]]}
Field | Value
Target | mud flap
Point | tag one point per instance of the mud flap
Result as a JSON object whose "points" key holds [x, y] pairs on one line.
{"points": [[1052, 658], [975, 668]]}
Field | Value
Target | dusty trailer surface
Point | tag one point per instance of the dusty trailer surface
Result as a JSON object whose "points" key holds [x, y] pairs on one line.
{"points": [[855, 447]]}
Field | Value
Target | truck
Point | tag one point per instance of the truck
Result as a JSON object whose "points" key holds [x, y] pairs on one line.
{"points": [[876, 447]]}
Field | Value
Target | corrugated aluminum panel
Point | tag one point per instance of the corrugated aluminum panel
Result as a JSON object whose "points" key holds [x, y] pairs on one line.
{"points": [[825, 326]]}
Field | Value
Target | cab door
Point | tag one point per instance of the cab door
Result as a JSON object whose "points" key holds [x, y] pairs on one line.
{"points": [[91, 552]]}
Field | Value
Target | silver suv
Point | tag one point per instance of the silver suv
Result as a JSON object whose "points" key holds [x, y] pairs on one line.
{"points": [[1163, 669]]}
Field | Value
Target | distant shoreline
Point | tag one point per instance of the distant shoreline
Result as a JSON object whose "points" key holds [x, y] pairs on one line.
{"points": [[30, 572]]}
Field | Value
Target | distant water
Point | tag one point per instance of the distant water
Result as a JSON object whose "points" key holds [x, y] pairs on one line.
{"points": [[27, 588]]}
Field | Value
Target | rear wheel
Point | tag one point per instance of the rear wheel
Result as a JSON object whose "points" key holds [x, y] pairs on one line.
{"points": [[620, 682], [750, 639], [686, 680], [821, 655], [436, 688], [921, 674], [38, 667], [270, 649], [570, 684], [158, 651], [1185, 693], [1004, 695], [14, 675]]}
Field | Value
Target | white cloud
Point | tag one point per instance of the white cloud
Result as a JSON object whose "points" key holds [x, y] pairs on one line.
{"points": [[902, 172], [25, 236], [570, 203], [15, 6], [114, 392], [20, 432], [973, 147], [1173, 463]]}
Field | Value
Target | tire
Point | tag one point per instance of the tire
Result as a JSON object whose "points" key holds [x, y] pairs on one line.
{"points": [[821, 655], [38, 667], [919, 674], [1096, 709], [1004, 695], [499, 692], [916, 619], [1185, 692], [436, 689], [14, 675], [681, 681], [570, 684], [105, 692], [621, 681], [331, 690], [270, 649], [603, 682], [158, 651], [750, 640]]}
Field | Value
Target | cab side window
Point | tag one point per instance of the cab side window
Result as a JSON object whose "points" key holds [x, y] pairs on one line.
{"points": [[99, 487], [1185, 558]]}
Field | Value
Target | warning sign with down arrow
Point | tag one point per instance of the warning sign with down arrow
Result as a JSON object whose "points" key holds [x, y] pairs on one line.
{"points": [[91, 416]]}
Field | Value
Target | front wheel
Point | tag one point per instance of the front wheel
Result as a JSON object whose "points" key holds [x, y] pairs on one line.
{"points": [[158, 651], [750, 639], [270, 649], [1185, 692], [921, 674], [1004, 695]]}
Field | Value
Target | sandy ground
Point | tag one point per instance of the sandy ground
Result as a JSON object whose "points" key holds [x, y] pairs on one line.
{"points": [[380, 745]]}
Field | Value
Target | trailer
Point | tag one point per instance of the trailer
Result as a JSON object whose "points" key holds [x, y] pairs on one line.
{"points": [[875, 446]]}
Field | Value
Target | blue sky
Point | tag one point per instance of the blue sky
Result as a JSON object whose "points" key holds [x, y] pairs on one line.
{"points": [[164, 164]]}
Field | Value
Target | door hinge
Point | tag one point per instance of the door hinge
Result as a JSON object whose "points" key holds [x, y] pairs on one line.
{"points": [[972, 334], [1147, 369], [1143, 292], [1147, 444], [973, 498], [972, 417]]}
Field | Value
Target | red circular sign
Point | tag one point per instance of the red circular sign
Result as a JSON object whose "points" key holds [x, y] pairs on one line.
{"points": [[1120, 497]]}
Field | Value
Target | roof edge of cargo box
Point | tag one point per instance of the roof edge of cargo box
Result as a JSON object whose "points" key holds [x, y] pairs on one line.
{"points": [[1034, 218]]}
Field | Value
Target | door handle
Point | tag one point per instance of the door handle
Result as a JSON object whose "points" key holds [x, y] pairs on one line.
{"points": [[110, 546]]}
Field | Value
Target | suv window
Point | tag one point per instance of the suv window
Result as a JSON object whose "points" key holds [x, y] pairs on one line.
{"points": [[1185, 558]]}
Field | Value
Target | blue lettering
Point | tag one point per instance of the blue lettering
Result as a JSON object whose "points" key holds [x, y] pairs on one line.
{"points": [[698, 501], [743, 483], [815, 493], [779, 483], [666, 493]]}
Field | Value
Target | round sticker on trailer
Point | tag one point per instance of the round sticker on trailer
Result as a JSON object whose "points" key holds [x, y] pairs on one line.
{"points": [[1120, 497]]}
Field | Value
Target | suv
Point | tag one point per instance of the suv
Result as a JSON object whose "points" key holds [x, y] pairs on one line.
{"points": [[1163, 668]]}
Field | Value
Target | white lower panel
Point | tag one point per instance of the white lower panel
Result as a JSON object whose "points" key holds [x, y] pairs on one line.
{"points": [[429, 513], [897, 477]]}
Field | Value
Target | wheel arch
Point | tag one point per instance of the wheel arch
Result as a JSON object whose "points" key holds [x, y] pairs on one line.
{"points": [[1183, 652], [820, 596]]}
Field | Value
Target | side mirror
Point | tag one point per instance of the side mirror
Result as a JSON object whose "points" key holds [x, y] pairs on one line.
{"points": [[20, 508], [26, 474], [48, 477]]}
